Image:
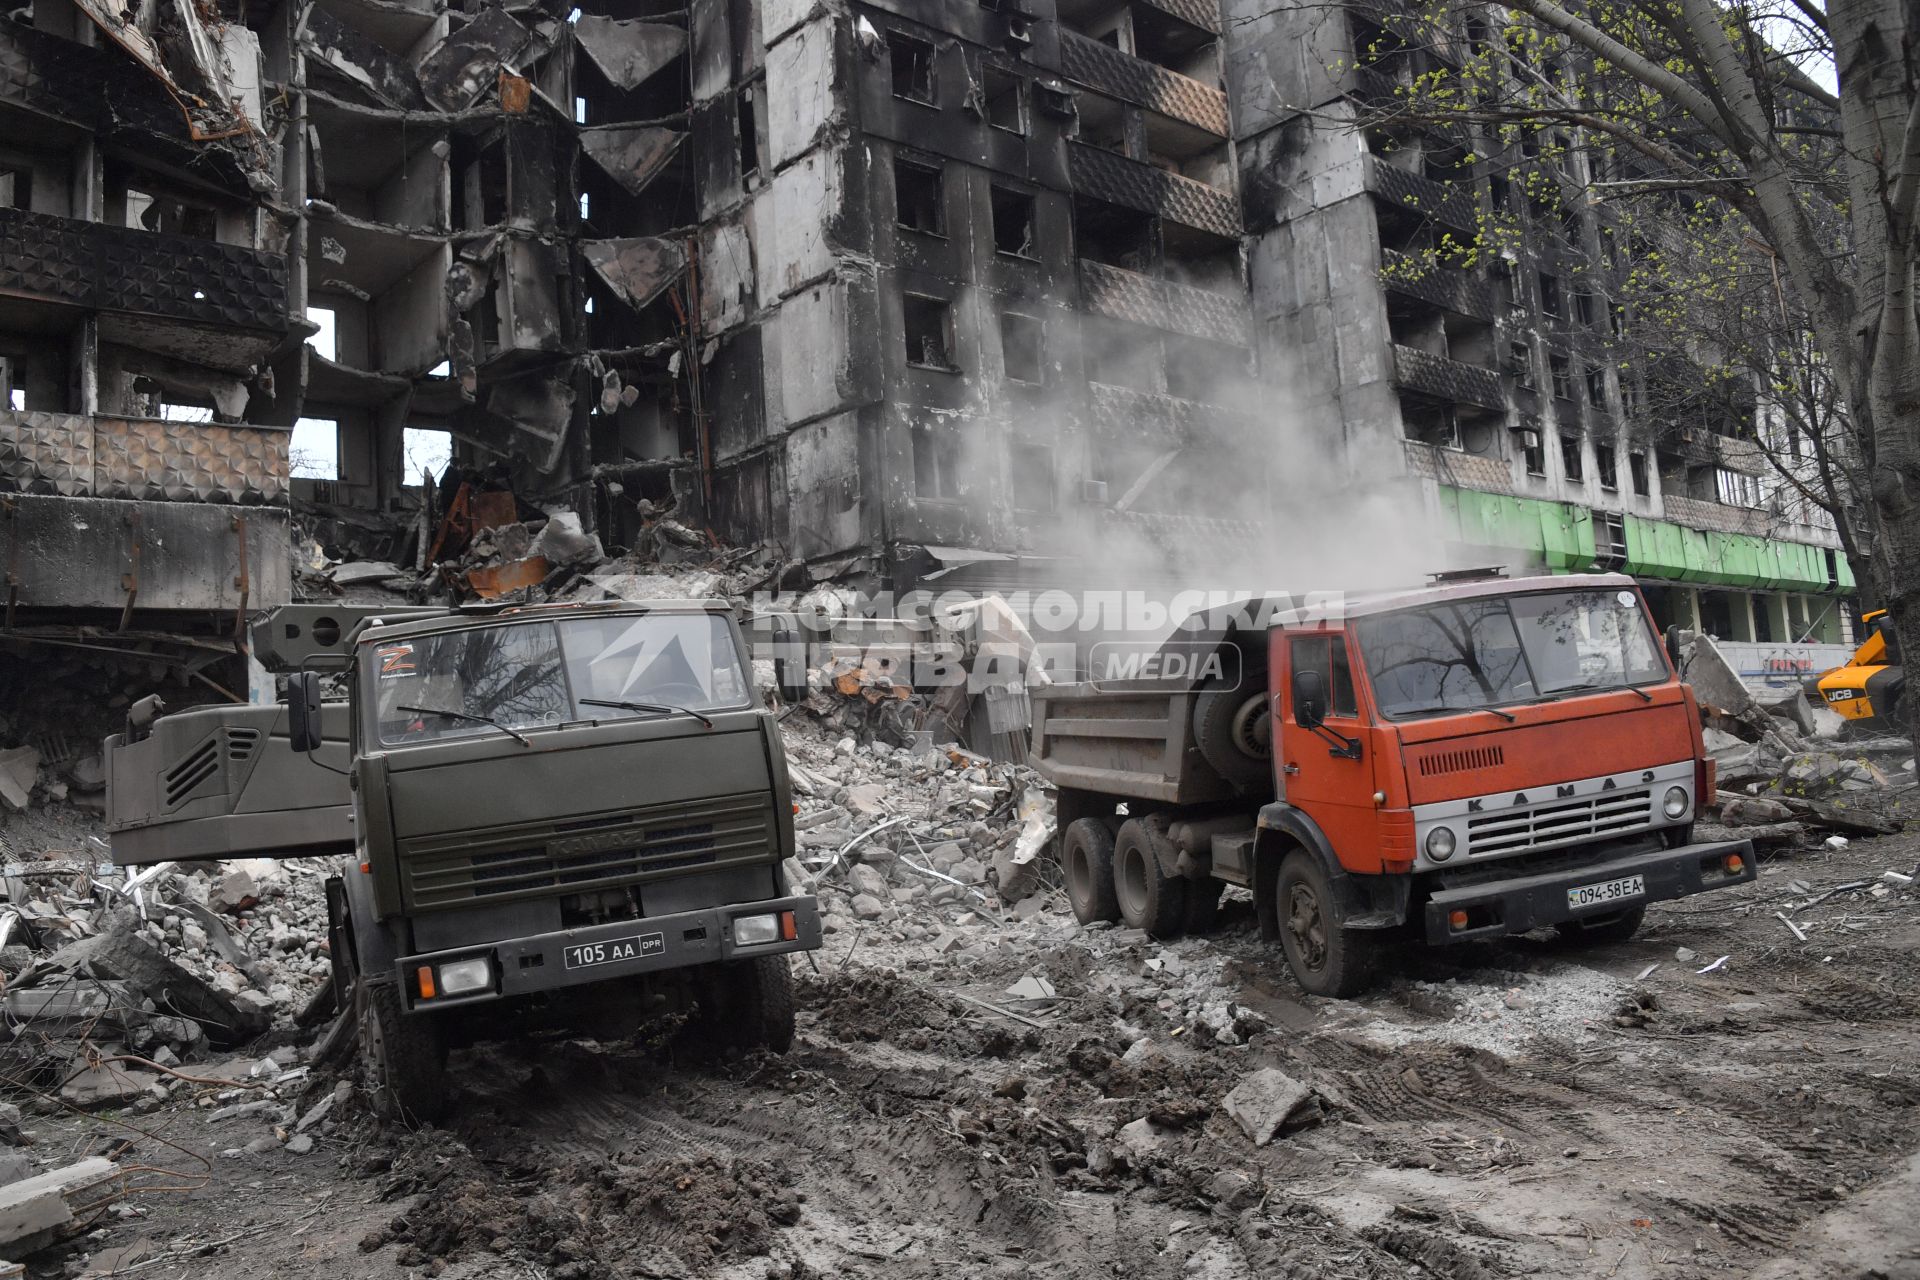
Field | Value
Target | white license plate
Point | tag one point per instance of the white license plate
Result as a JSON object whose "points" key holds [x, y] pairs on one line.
{"points": [[614, 950], [1624, 889]]}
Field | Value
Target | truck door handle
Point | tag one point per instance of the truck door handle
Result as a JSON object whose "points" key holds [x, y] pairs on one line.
{"points": [[1289, 769]]}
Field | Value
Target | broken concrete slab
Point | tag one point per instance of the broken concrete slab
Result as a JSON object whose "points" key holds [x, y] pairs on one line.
{"points": [[19, 774], [455, 72], [868, 880], [37, 1211], [122, 954], [107, 1085], [631, 154], [1751, 811], [628, 53], [1261, 1103], [637, 269]]}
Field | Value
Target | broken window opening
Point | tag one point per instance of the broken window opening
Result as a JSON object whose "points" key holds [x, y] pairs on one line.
{"points": [[150, 212], [1006, 104], [929, 331], [1433, 424], [1013, 223], [13, 384], [749, 135], [1604, 461], [182, 411], [325, 339], [314, 450], [936, 463], [919, 197], [1637, 469], [1561, 370], [1023, 347], [1597, 388], [1534, 450], [1032, 470], [1550, 294], [579, 110], [16, 188], [1520, 364], [425, 451], [586, 206], [1570, 461], [1583, 308], [912, 65]]}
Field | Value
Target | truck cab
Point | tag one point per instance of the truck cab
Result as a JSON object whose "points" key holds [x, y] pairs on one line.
{"points": [[1469, 760]]}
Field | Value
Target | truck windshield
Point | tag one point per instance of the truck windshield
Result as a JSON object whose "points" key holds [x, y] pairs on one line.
{"points": [[524, 675], [1502, 649]]}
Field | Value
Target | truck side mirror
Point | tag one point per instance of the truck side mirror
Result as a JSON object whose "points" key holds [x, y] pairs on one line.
{"points": [[1309, 699], [303, 710], [790, 666], [1673, 645]]}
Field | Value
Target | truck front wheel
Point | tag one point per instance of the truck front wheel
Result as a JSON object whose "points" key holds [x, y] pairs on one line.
{"points": [[751, 1003], [406, 1056], [1149, 898], [1086, 855], [1327, 958]]}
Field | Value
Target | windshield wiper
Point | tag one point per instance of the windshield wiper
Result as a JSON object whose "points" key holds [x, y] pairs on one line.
{"points": [[660, 707], [1592, 687], [515, 734], [1424, 712]]}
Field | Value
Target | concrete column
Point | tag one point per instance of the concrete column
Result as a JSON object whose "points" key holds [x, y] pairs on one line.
{"points": [[1779, 617]]}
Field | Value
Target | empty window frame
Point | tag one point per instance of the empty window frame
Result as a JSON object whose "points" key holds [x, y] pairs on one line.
{"points": [[1597, 388], [315, 449], [425, 451], [1561, 369], [16, 187], [912, 65], [1013, 231], [1033, 486], [936, 462], [1006, 100], [928, 323], [1520, 364], [1023, 347], [1533, 447], [1605, 461], [1584, 307], [1570, 460], [1550, 300], [919, 197], [749, 133], [1637, 468]]}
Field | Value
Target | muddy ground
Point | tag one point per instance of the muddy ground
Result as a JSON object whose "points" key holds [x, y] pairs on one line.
{"points": [[1497, 1111]]}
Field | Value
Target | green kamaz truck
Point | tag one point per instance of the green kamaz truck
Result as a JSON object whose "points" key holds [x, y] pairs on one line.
{"points": [[563, 817]]}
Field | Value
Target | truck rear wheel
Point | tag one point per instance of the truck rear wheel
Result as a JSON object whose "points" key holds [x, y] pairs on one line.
{"points": [[1327, 958], [406, 1056], [1149, 898], [1086, 857], [751, 1003], [1614, 928]]}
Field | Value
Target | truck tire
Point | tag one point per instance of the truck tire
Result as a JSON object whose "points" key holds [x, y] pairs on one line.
{"points": [[1614, 928], [751, 1003], [1086, 862], [406, 1056], [1203, 904], [1326, 958], [1233, 728], [1149, 898]]}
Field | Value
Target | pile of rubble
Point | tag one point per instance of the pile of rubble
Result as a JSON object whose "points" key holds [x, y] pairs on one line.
{"points": [[1784, 772], [167, 964]]}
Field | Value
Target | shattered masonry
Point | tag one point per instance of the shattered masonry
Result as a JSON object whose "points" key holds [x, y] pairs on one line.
{"points": [[891, 285]]}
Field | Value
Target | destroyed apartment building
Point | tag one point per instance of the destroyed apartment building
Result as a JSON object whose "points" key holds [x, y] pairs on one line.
{"points": [[962, 288]]}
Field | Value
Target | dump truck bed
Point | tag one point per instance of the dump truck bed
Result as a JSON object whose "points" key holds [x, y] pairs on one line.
{"points": [[1123, 738], [222, 782]]}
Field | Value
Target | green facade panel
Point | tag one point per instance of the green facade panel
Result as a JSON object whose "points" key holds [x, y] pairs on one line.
{"points": [[1562, 535]]}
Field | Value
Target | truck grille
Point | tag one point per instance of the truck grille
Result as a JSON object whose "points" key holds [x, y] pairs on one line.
{"points": [[1610, 813], [609, 851]]}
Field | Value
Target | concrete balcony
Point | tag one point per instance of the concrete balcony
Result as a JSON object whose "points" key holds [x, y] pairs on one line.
{"points": [[1450, 205], [98, 267], [71, 455], [1449, 288], [1103, 175], [1122, 412], [1161, 304], [1105, 69], [1441, 378]]}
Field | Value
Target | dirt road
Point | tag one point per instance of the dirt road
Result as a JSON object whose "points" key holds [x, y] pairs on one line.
{"points": [[1501, 1111]]}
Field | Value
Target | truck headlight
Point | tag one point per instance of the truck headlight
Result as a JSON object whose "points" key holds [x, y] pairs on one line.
{"points": [[1440, 843], [749, 931], [458, 977], [1676, 803]]}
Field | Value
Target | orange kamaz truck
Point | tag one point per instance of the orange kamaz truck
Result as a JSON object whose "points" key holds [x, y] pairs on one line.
{"points": [[1471, 759]]}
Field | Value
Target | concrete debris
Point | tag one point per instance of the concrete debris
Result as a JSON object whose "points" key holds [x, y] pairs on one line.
{"points": [[19, 774], [1263, 1102], [36, 1212]]}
